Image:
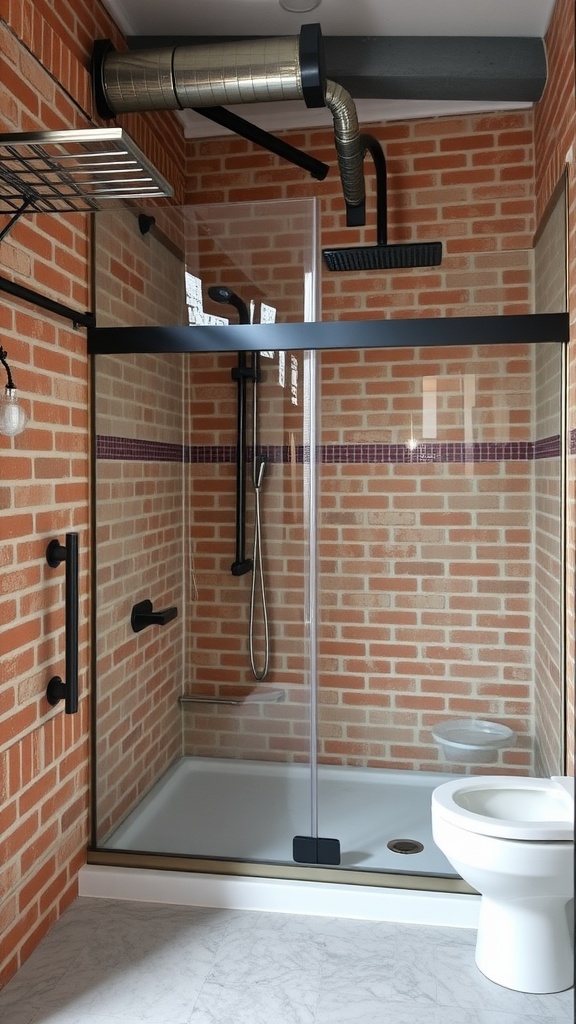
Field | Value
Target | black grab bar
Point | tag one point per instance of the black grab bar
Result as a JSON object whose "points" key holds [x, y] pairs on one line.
{"points": [[59, 689]]}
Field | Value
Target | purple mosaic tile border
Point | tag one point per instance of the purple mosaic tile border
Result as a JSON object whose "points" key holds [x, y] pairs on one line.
{"points": [[130, 449], [206, 453], [456, 451], [548, 447]]}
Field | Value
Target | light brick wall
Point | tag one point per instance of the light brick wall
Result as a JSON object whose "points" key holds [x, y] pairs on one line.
{"points": [[555, 140], [426, 576], [427, 585], [219, 612], [550, 296], [140, 516]]}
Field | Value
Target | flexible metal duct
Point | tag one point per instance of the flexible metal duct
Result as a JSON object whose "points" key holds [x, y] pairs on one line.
{"points": [[218, 74], [349, 149]]}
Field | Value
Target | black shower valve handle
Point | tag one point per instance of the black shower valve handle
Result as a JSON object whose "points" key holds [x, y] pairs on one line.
{"points": [[144, 615]]}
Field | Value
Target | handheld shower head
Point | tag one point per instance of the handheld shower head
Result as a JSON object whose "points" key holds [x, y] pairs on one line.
{"points": [[218, 293], [259, 470]]}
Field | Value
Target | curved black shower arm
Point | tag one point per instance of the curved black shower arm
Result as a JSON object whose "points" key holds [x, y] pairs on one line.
{"points": [[356, 213], [372, 146]]}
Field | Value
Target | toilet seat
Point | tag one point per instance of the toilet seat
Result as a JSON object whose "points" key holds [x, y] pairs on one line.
{"points": [[507, 807]]}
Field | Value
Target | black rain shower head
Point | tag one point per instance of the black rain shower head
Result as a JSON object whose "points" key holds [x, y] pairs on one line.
{"points": [[382, 256]]}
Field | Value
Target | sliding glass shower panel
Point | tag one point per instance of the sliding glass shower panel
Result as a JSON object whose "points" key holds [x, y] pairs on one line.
{"points": [[204, 721], [440, 580]]}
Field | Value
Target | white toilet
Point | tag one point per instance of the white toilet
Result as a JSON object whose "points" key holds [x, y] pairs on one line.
{"points": [[512, 839]]}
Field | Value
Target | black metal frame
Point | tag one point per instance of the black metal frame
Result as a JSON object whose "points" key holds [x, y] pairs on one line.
{"points": [[341, 334], [240, 126], [450, 331]]}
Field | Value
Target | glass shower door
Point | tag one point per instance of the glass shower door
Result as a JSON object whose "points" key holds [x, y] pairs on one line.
{"points": [[206, 750]]}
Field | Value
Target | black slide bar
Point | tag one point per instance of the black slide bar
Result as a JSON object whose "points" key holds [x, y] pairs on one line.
{"points": [[241, 374], [57, 688]]}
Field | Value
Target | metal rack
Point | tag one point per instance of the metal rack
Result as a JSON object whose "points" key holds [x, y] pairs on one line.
{"points": [[74, 171]]}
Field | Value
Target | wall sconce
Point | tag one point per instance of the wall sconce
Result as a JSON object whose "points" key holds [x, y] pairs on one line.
{"points": [[13, 419]]}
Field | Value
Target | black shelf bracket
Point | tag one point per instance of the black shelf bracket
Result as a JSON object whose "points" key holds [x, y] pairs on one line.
{"points": [[37, 299], [16, 216]]}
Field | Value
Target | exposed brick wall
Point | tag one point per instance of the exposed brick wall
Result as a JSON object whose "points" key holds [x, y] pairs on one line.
{"points": [[140, 519], [426, 579], [45, 473], [44, 483], [466, 181]]}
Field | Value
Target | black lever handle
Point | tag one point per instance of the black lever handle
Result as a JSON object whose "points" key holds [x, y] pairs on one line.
{"points": [[57, 688], [143, 615]]}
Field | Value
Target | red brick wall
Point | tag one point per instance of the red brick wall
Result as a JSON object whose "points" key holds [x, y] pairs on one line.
{"points": [[435, 182], [44, 482], [466, 181]]}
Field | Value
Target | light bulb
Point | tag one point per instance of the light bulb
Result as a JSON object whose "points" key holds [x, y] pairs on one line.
{"points": [[13, 419]]}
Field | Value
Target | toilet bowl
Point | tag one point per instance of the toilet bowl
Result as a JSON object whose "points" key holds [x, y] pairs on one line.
{"points": [[512, 839]]}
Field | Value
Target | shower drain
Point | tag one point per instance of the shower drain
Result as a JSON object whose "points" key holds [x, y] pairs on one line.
{"points": [[405, 846]]}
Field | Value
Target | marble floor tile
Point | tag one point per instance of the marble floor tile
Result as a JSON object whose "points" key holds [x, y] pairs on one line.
{"points": [[461, 984], [115, 962], [445, 1015]]}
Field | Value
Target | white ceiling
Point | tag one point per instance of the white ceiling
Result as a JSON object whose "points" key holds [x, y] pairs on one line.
{"points": [[336, 18]]}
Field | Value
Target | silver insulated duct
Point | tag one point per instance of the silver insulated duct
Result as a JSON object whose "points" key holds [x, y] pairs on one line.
{"points": [[222, 74]]}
